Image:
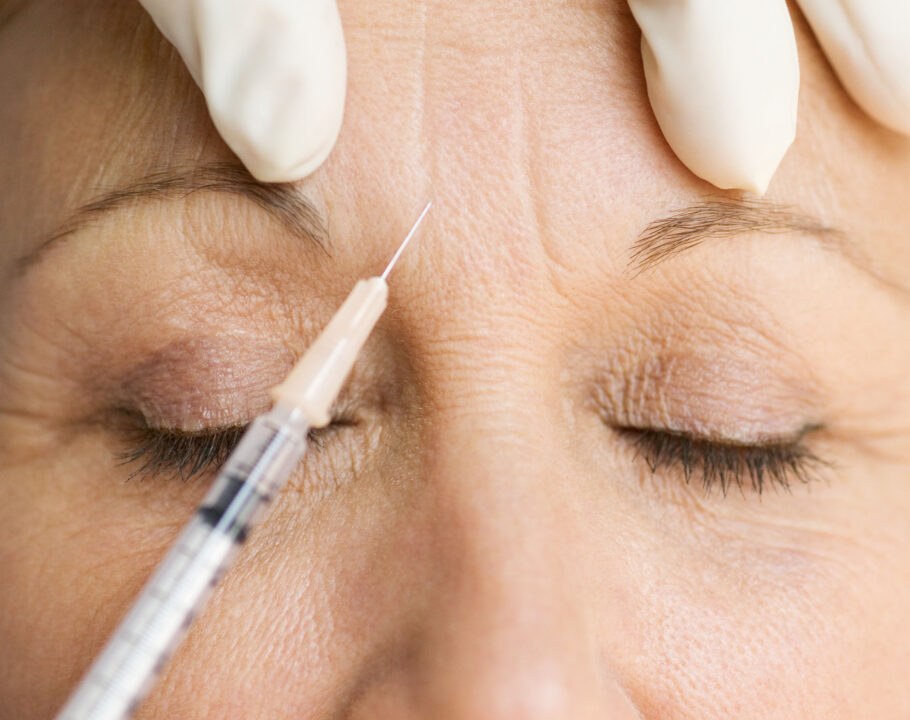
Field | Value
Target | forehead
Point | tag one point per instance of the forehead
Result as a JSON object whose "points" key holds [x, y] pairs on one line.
{"points": [[528, 138], [527, 123]]}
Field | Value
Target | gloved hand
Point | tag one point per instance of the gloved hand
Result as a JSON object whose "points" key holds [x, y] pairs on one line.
{"points": [[723, 75], [273, 73]]}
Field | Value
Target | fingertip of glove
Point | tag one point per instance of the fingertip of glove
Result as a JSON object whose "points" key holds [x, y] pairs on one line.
{"points": [[723, 81], [866, 44]]}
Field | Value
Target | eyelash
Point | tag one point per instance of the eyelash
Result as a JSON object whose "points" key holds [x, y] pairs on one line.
{"points": [[185, 455], [720, 465]]}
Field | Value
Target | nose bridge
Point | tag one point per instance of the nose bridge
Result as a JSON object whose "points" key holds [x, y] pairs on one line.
{"points": [[492, 456], [500, 512], [504, 635], [504, 628], [503, 640]]}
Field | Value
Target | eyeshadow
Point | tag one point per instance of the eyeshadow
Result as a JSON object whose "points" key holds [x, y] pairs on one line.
{"points": [[707, 395], [203, 381]]}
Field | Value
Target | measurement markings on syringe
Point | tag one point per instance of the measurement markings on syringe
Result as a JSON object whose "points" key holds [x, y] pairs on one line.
{"points": [[243, 491], [237, 489]]}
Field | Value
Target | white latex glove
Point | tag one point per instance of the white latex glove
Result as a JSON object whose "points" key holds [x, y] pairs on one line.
{"points": [[723, 75], [273, 73]]}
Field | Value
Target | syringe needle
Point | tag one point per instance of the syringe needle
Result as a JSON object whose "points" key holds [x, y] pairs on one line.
{"points": [[388, 269]]}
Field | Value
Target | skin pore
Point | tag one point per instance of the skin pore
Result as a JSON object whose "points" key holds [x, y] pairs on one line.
{"points": [[480, 534]]}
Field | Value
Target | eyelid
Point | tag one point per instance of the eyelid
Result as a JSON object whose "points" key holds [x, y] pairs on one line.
{"points": [[726, 463], [705, 395], [155, 451], [761, 441], [197, 384], [184, 455]]}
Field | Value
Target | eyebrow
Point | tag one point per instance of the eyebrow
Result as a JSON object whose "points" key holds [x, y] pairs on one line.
{"points": [[280, 200], [690, 227]]}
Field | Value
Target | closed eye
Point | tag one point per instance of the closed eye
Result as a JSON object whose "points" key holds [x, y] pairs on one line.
{"points": [[175, 453], [726, 464]]}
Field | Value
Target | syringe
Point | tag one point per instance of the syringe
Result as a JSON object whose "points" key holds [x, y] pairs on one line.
{"points": [[267, 454]]}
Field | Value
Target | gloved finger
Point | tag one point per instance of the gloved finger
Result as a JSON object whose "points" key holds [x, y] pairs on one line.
{"points": [[273, 73], [176, 21], [723, 80], [868, 43]]}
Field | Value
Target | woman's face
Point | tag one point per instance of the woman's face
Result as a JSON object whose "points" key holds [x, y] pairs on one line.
{"points": [[564, 479]]}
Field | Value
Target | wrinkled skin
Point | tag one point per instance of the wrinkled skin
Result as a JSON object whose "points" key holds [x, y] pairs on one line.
{"points": [[481, 539]]}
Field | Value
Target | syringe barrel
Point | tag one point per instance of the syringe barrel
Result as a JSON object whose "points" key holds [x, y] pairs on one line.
{"points": [[123, 673]]}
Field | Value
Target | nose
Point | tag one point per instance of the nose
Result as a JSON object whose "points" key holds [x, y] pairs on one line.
{"points": [[506, 632]]}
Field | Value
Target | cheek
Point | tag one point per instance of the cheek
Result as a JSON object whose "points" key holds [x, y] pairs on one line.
{"points": [[770, 651], [718, 642], [76, 545], [783, 607], [314, 597], [789, 606]]}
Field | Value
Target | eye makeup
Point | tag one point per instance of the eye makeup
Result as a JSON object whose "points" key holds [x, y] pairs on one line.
{"points": [[198, 383], [175, 453], [715, 421], [180, 412], [743, 400], [185, 455], [723, 465]]}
